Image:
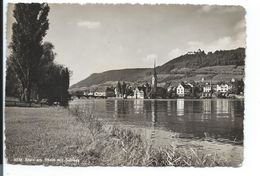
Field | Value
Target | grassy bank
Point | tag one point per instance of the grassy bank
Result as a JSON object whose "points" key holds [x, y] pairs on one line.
{"points": [[57, 136]]}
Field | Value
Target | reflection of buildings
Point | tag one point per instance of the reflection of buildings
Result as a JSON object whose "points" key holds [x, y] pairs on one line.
{"points": [[154, 120], [206, 114], [121, 108], [180, 107], [207, 106], [154, 112], [154, 79], [232, 112], [116, 109], [222, 108], [169, 108], [138, 106]]}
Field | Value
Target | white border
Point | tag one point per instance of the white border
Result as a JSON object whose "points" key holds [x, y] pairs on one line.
{"points": [[252, 103]]}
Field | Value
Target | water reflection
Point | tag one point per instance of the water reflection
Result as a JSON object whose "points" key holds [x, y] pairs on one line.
{"points": [[180, 107], [169, 108], [215, 117], [138, 106], [154, 112], [207, 106], [154, 120], [222, 108], [206, 109], [116, 109]]}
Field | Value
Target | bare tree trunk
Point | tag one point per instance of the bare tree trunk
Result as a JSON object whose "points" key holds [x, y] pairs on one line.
{"points": [[27, 92], [23, 95]]}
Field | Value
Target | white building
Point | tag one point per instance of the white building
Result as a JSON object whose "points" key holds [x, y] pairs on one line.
{"points": [[223, 88], [183, 89], [180, 90], [207, 88], [100, 92], [138, 93], [117, 93], [90, 94]]}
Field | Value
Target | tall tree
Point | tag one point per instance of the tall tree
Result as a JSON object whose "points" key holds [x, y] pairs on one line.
{"points": [[64, 77], [53, 79], [56, 84], [12, 84], [119, 87], [46, 63], [29, 28], [124, 88]]}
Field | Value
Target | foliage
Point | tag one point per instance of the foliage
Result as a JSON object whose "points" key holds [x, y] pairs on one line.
{"points": [[56, 83], [31, 70], [119, 87], [124, 88], [12, 84], [29, 28], [237, 87]]}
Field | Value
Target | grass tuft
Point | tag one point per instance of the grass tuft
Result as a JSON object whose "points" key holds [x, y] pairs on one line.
{"points": [[41, 133]]}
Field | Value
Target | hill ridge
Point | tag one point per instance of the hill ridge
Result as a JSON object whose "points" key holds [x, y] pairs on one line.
{"points": [[179, 68]]}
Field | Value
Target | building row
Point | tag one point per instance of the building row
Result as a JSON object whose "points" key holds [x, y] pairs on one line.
{"points": [[180, 90], [171, 90]]}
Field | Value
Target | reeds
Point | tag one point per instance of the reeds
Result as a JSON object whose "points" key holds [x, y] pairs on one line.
{"points": [[118, 146]]}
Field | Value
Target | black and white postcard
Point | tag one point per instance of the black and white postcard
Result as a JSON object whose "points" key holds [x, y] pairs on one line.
{"points": [[144, 85]]}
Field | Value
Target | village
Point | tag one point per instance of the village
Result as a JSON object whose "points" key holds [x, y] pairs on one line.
{"points": [[184, 89]]}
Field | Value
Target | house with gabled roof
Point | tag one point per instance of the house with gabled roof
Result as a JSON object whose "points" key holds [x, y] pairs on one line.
{"points": [[183, 90]]}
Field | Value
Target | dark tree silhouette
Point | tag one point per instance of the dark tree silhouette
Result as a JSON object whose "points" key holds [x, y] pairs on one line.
{"points": [[56, 84], [12, 84], [119, 87], [46, 63], [29, 28], [124, 88]]}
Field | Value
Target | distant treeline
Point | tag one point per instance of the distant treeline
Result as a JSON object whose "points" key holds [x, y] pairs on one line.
{"points": [[32, 74], [201, 59]]}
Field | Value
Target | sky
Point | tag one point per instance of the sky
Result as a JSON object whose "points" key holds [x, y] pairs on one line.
{"points": [[93, 38]]}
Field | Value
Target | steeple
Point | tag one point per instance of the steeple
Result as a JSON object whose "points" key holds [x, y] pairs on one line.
{"points": [[154, 78], [154, 67]]}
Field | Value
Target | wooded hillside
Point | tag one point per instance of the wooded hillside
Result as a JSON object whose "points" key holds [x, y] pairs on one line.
{"points": [[216, 66]]}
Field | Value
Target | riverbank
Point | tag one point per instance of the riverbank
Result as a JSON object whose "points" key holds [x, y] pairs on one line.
{"points": [[56, 136]]}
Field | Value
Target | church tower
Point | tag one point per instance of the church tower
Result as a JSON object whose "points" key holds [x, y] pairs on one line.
{"points": [[154, 78]]}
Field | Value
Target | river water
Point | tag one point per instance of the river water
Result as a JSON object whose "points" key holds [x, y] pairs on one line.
{"points": [[189, 118]]}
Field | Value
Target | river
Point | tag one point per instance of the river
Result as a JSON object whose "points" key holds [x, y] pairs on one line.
{"points": [[189, 118]]}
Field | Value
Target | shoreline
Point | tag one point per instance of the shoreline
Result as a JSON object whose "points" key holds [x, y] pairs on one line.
{"points": [[186, 98], [40, 133], [209, 145]]}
